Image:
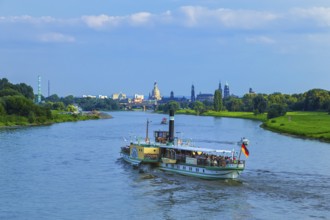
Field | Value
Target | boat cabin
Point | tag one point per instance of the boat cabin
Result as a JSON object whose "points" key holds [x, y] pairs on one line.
{"points": [[161, 136]]}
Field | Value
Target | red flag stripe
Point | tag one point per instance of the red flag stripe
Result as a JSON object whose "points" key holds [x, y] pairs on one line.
{"points": [[245, 150]]}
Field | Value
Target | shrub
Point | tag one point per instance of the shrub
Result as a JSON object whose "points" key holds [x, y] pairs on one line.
{"points": [[276, 110]]}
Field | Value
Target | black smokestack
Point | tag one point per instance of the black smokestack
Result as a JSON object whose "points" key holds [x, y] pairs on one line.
{"points": [[171, 126]]}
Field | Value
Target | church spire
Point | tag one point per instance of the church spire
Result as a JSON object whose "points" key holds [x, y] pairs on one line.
{"points": [[193, 99]]}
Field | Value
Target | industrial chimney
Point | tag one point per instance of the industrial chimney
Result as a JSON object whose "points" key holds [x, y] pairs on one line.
{"points": [[171, 126]]}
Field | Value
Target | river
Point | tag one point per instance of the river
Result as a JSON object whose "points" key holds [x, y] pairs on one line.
{"points": [[74, 171]]}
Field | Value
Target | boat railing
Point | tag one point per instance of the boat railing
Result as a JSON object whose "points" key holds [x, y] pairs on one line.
{"points": [[125, 150], [183, 142], [211, 161]]}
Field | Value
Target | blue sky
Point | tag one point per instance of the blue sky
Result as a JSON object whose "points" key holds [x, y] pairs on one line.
{"points": [[105, 46]]}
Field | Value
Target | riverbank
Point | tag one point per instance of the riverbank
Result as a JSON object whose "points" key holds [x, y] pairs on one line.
{"points": [[312, 125], [13, 121], [244, 115]]}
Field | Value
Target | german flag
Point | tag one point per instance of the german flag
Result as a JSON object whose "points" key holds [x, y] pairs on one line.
{"points": [[245, 150]]}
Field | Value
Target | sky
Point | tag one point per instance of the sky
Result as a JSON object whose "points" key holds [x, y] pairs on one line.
{"points": [[105, 46]]}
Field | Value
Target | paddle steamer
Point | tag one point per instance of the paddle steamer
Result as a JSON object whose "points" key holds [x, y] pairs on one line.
{"points": [[175, 155]]}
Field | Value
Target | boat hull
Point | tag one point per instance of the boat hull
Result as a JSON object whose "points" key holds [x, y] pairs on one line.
{"points": [[133, 161], [136, 161], [209, 173]]}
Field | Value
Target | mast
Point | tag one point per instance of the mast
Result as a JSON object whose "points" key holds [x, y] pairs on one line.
{"points": [[171, 126], [147, 131]]}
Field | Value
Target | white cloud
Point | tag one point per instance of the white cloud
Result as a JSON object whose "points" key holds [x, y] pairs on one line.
{"points": [[246, 19], [192, 17], [105, 21], [319, 14], [56, 38], [101, 21], [140, 18]]}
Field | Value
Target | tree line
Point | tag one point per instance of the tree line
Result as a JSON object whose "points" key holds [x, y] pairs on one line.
{"points": [[17, 104], [276, 104], [87, 104]]}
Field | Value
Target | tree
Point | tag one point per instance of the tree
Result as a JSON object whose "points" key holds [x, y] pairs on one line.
{"points": [[276, 110], [21, 88], [259, 104], [248, 102], [25, 90], [58, 106], [234, 104], [72, 108], [198, 107], [172, 105], [8, 92], [68, 100], [18, 105], [53, 98], [217, 102], [316, 99], [2, 109]]}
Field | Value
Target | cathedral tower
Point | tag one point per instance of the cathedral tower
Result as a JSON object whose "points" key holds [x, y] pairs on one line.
{"points": [[193, 98]]}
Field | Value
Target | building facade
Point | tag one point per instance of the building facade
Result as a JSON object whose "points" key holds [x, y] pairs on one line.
{"points": [[226, 92], [192, 98], [205, 97], [155, 94]]}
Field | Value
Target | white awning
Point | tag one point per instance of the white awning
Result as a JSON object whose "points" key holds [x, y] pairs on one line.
{"points": [[196, 149]]}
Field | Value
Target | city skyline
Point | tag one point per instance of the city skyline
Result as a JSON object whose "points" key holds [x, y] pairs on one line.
{"points": [[151, 94], [110, 46]]}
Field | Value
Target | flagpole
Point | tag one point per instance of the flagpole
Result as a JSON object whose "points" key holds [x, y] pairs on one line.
{"points": [[239, 157]]}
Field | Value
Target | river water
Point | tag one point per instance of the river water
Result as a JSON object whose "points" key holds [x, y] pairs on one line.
{"points": [[74, 171]]}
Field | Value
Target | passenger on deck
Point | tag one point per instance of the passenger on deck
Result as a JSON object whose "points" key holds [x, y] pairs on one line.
{"points": [[208, 161]]}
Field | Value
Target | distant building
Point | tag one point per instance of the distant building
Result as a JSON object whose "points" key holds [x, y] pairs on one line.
{"points": [[155, 94], [220, 89], [205, 97], [226, 92], [103, 97], [118, 96], [192, 98], [138, 98], [180, 99], [172, 95], [251, 91], [89, 96]]}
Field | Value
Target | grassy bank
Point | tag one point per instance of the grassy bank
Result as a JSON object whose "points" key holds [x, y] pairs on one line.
{"points": [[244, 115], [315, 125], [57, 117]]}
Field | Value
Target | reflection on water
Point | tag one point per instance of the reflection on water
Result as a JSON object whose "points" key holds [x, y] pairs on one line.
{"points": [[74, 171]]}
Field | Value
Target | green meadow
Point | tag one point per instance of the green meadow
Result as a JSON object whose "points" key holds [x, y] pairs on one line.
{"points": [[315, 125], [245, 115], [57, 117]]}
